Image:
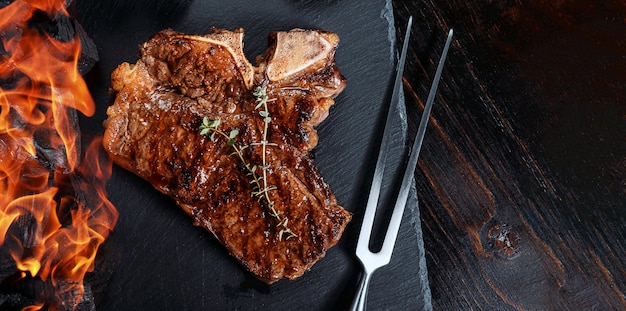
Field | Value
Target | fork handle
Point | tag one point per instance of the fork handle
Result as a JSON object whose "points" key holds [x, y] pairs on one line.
{"points": [[358, 304]]}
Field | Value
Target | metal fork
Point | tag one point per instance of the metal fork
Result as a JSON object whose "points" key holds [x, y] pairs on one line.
{"points": [[369, 260]]}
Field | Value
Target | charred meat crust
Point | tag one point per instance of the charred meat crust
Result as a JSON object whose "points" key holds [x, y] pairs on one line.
{"points": [[152, 130]]}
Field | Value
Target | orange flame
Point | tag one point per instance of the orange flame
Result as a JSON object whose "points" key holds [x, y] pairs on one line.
{"points": [[40, 87]]}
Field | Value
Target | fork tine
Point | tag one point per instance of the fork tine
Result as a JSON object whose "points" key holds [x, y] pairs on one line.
{"points": [[396, 217], [369, 260], [372, 202]]}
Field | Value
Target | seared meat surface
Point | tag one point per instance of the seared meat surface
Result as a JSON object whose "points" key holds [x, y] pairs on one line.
{"points": [[153, 130]]}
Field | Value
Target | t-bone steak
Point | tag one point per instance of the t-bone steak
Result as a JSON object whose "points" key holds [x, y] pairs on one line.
{"points": [[181, 81]]}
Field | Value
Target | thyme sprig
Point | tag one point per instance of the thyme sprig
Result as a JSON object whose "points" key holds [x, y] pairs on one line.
{"points": [[261, 98], [261, 188]]}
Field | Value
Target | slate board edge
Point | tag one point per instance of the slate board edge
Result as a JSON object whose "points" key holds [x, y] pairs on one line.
{"points": [[413, 202]]}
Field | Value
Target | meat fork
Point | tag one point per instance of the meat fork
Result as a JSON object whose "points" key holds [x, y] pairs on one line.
{"points": [[369, 260]]}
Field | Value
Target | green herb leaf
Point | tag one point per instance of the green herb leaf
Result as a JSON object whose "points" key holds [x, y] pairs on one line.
{"points": [[233, 133], [214, 123]]}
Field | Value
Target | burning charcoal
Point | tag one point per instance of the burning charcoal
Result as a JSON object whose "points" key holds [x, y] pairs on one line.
{"points": [[107, 262], [21, 234], [14, 301], [6, 83], [7, 266], [70, 299], [4, 3], [50, 234], [87, 303], [89, 53], [58, 27], [15, 293], [64, 28], [55, 156], [3, 51]]}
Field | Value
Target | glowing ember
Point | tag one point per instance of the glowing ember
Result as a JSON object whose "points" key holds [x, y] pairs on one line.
{"points": [[41, 176]]}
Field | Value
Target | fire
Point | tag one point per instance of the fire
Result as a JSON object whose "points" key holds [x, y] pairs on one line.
{"points": [[57, 201]]}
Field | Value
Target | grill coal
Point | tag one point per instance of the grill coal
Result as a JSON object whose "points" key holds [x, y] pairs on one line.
{"points": [[18, 290], [18, 294]]}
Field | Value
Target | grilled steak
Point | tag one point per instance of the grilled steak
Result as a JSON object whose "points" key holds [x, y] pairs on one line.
{"points": [[278, 226]]}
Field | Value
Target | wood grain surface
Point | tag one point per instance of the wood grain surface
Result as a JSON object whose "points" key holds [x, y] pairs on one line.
{"points": [[522, 175]]}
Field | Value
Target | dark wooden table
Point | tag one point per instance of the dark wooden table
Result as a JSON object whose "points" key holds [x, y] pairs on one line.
{"points": [[522, 174]]}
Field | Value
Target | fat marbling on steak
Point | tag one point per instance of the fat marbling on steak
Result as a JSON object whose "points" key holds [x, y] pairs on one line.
{"points": [[153, 130]]}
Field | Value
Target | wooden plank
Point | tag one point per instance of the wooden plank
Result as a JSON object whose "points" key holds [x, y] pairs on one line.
{"points": [[521, 178]]}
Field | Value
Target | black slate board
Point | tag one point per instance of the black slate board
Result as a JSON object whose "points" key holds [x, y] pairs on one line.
{"points": [[156, 260]]}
